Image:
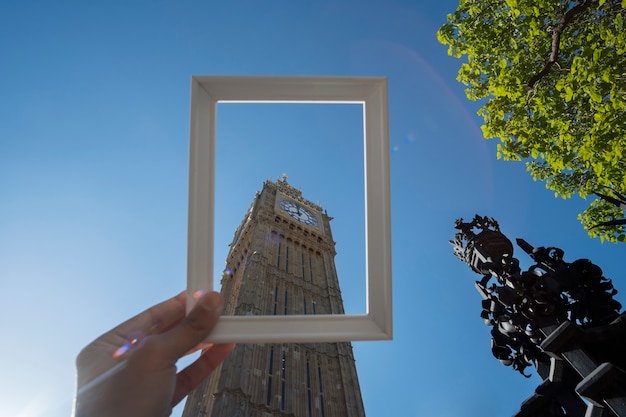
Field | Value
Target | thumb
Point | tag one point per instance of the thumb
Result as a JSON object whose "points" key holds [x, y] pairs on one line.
{"points": [[176, 342]]}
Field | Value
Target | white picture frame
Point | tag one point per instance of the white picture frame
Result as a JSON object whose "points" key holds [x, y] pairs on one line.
{"points": [[371, 92]]}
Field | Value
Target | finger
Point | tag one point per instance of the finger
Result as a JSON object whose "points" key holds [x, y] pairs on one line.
{"points": [[157, 319], [193, 375], [193, 329]]}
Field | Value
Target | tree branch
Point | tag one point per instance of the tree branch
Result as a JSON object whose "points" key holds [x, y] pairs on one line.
{"points": [[570, 15]]}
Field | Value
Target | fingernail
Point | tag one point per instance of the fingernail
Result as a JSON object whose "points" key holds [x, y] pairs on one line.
{"points": [[214, 301]]}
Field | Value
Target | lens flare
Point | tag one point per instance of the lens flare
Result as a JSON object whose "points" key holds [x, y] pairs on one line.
{"points": [[408, 139], [198, 294], [125, 347]]}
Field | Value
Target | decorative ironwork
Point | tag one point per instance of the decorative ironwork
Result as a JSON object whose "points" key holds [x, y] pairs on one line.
{"points": [[559, 316]]}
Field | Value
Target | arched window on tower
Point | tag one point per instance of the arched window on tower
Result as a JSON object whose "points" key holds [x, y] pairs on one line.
{"points": [[319, 379], [283, 373], [270, 371], [308, 386]]}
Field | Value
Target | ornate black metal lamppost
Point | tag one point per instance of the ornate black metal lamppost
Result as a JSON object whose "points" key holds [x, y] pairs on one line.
{"points": [[558, 316]]}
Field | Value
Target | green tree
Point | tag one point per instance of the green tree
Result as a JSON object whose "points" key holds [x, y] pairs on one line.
{"points": [[552, 75]]}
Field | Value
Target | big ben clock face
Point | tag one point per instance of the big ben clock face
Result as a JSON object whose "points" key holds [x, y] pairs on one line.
{"points": [[298, 212]]}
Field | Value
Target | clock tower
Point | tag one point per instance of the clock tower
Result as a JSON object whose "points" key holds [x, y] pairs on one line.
{"points": [[281, 262]]}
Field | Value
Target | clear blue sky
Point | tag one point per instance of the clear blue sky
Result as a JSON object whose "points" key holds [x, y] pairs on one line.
{"points": [[94, 121]]}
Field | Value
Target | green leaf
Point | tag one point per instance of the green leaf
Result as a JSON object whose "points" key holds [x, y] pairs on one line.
{"points": [[595, 96], [569, 93]]}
